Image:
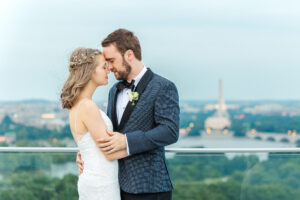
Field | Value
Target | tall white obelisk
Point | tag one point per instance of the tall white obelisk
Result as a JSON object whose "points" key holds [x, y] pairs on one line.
{"points": [[222, 106], [220, 120]]}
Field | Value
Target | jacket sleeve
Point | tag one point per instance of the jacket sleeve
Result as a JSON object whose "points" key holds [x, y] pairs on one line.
{"points": [[166, 118], [109, 104]]}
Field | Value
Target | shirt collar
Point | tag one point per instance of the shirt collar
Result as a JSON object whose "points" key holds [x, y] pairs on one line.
{"points": [[139, 76]]}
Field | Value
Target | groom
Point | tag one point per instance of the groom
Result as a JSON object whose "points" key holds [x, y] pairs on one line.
{"points": [[144, 110]]}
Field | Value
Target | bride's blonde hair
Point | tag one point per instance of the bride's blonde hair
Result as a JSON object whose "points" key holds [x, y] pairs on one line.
{"points": [[81, 67]]}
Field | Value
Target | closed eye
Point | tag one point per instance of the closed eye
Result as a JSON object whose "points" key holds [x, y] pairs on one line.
{"points": [[110, 59]]}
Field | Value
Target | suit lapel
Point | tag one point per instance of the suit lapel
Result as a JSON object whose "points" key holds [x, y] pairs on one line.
{"points": [[113, 110], [140, 89]]}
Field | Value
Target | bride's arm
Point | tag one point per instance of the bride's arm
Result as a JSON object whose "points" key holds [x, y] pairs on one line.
{"points": [[94, 123]]}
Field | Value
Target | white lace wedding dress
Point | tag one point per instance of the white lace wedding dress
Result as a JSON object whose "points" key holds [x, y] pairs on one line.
{"points": [[99, 180]]}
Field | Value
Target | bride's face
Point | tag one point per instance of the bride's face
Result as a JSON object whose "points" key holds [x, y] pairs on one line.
{"points": [[101, 71]]}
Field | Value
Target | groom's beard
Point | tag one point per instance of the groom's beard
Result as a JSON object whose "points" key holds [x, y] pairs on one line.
{"points": [[123, 75]]}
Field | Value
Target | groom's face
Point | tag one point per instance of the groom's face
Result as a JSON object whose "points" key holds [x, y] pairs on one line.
{"points": [[116, 62]]}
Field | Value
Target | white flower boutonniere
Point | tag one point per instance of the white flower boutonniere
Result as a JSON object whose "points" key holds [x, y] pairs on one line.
{"points": [[133, 97]]}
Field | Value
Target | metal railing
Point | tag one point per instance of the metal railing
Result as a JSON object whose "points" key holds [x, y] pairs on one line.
{"points": [[170, 150]]}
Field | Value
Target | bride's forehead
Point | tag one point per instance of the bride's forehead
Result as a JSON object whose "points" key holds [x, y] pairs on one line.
{"points": [[100, 58]]}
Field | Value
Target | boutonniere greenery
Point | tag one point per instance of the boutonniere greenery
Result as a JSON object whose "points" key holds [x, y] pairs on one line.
{"points": [[133, 97]]}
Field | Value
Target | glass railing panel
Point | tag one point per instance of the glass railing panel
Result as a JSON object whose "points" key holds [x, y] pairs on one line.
{"points": [[196, 176], [235, 176], [38, 176]]}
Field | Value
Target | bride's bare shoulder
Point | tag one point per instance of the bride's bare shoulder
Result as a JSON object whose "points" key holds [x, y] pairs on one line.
{"points": [[89, 107]]}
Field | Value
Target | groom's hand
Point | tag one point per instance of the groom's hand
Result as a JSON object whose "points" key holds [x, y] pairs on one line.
{"points": [[115, 142], [79, 162]]}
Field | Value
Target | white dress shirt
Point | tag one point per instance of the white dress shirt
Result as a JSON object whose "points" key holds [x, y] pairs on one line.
{"points": [[123, 99]]}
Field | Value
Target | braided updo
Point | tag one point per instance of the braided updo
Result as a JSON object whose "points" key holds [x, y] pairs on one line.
{"points": [[81, 67]]}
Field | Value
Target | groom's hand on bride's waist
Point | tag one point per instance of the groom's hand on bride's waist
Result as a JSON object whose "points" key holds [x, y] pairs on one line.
{"points": [[79, 162], [115, 142]]}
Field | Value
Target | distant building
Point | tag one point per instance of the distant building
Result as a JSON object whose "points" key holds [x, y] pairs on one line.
{"points": [[2, 138], [8, 138], [41, 115], [220, 120]]}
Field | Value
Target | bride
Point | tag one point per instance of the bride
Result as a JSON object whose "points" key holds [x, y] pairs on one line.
{"points": [[88, 70]]}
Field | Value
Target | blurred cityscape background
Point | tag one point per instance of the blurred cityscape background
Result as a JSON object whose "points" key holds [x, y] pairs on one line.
{"points": [[268, 123]]}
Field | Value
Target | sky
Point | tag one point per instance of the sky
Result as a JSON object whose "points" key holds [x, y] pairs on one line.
{"points": [[252, 45]]}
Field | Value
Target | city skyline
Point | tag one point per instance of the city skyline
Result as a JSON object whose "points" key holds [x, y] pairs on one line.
{"points": [[251, 45]]}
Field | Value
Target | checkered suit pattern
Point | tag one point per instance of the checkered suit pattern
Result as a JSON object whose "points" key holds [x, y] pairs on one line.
{"points": [[153, 124]]}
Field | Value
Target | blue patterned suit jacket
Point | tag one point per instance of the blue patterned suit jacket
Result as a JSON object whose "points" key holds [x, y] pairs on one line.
{"points": [[149, 126]]}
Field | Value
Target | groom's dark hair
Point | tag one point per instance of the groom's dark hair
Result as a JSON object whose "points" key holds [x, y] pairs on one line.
{"points": [[124, 40]]}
